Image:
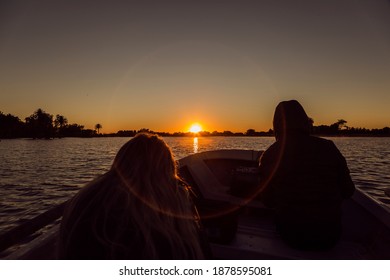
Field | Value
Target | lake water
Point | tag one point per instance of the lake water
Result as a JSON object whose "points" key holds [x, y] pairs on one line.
{"points": [[37, 174]]}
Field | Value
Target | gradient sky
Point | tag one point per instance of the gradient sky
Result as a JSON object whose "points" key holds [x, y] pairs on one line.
{"points": [[225, 64]]}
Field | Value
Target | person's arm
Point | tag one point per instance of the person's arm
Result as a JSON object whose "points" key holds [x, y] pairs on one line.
{"points": [[347, 185], [345, 180]]}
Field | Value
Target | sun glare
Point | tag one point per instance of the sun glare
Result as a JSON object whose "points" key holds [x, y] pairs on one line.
{"points": [[195, 128]]}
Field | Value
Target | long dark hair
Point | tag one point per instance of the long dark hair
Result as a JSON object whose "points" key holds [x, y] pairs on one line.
{"points": [[142, 191]]}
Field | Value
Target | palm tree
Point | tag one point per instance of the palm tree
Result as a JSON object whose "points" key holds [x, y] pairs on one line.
{"points": [[98, 127], [341, 123], [40, 124], [60, 122]]}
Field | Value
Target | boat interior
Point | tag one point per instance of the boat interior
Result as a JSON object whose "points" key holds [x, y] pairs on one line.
{"points": [[237, 224]]}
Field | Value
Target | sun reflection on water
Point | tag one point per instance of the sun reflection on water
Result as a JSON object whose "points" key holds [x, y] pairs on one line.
{"points": [[196, 147]]}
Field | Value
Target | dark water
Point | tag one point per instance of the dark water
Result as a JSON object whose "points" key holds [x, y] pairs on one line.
{"points": [[37, 174]]}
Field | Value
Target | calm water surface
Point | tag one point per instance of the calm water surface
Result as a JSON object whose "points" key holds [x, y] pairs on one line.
{"points": [[37, 174]]}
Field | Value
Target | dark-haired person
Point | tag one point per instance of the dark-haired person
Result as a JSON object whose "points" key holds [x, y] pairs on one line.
{"points": [[305, 178], [137, 210]]}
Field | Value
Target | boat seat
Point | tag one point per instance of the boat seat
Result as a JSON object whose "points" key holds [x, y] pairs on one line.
{"points": [[259, 240]]}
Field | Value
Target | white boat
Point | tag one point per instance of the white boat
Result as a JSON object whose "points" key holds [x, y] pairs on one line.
{"points": [[242, 228], [218, 174]]}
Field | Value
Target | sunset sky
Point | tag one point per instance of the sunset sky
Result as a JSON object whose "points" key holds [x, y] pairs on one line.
{"points": [[164, 65]]}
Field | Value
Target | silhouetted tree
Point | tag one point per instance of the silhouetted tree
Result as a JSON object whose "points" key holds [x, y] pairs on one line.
{"points": [[73, 130], [250, 132], [337, 126], [98, 127], [341, 123], [60, 123], [10, 126], [204, 133], [145, 130], [40, 125], [88, 133], [126, 133], [227, 133]]}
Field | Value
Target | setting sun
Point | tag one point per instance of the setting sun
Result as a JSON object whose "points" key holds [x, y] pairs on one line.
{"points": [[195, 128]]}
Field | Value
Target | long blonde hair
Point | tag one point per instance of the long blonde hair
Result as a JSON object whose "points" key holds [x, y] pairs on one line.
{"points": [[142, 191]]}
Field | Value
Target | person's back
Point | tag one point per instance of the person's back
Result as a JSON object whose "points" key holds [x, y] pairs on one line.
{"points": [[305, 179]]}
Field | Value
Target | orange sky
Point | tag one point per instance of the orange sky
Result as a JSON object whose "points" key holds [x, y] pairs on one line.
{"points": [[163, 65]]}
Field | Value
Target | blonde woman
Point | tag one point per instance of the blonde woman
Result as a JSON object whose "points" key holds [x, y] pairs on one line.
{"points": [[137, 210]]}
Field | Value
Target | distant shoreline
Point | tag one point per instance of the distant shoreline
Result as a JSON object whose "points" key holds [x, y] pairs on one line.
{"points": [[42, 125], [193, 136]]}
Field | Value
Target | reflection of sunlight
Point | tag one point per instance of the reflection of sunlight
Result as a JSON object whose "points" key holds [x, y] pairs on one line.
{"points": [[196, 145]]}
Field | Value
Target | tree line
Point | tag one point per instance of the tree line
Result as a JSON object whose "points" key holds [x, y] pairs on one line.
{"points": [[42, 125], [340, 128]]}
